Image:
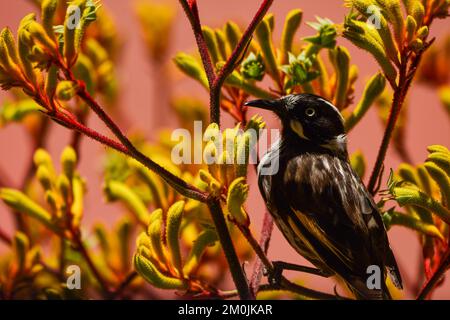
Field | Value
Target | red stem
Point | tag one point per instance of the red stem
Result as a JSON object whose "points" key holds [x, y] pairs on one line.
{"points": [[405, 80], [437, 275], [191, 10], [264, 241], [5, 238], [216, 82]]}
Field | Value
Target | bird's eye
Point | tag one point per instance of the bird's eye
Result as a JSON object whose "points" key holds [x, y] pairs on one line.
{"points": [[310, 112]]}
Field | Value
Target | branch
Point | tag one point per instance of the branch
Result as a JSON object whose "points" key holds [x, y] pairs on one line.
{"points": [[216, 82], [124, 284], [191, 10], [230, 253], [436, 277], [215, 85], [284, 284], [98, 276], [405, 80], [5, 238], [264, 241], [230, 64]]}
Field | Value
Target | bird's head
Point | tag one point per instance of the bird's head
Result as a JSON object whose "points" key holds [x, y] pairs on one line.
{"points": [[308, 117]]}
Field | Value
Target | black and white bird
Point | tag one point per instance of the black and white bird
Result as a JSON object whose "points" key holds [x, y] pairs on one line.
{"points": [[316, 199]]}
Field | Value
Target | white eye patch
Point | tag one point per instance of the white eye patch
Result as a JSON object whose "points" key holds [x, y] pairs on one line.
{"points": [[297, 127]]}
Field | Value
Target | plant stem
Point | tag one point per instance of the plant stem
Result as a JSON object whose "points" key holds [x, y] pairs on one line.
{"points": [[80, 245], [5, 238], [266, 233], [77, 136], [124, 284], [284, 283], [127, 146], [400, 92], [38, 139], [191, 10], [216, 82], [437, 275], [230, 64], [215, 85], [230, 253]]}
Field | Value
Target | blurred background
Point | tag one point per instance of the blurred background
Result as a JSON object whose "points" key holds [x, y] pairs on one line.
{"points": [[144, 100]]}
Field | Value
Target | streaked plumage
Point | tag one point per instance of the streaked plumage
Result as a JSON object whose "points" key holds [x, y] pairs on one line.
{"points": [[318, 201]]}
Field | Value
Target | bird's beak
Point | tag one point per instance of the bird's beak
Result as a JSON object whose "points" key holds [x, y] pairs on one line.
{"points": [[275, 106]]}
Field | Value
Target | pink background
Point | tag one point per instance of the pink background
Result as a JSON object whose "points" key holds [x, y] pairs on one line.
{"points": [[428, 123]]}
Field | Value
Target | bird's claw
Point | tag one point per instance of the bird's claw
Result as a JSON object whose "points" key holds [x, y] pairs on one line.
{"points": [[274, 277]]}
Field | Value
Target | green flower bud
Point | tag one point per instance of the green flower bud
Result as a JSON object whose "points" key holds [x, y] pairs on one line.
{"points": [[206, 239], [174, 217], [253, 67], [66, 90], [358, 163], [326, 37], [21, 245], [191, 67], [237, 195], [22, 203], [150, 273]]}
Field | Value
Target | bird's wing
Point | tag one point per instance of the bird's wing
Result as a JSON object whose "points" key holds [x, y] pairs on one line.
{"points": [[329, 199]]}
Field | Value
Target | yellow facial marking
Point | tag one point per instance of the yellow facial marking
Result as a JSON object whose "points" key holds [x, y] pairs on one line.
{"points": [[297, 127]]}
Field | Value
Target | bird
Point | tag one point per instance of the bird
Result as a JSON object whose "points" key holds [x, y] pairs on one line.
{"points": [[316, 199]]}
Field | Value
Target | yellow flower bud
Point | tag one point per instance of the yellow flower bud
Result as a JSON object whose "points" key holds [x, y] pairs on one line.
{"points": [[69, 161], [237, 195]]}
